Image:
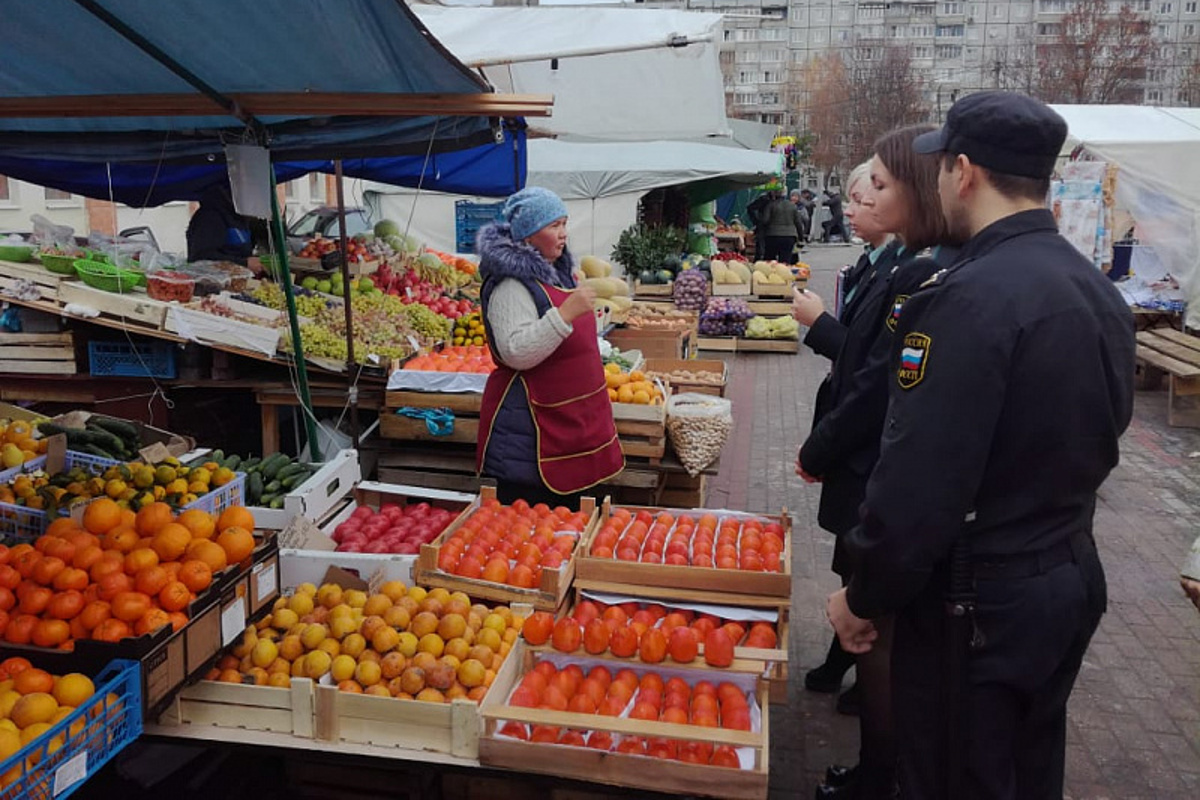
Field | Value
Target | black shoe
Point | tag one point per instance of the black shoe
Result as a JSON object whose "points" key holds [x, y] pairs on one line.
{"points": [[827, 792], [826, 679], [848, 701], [838, 775]]}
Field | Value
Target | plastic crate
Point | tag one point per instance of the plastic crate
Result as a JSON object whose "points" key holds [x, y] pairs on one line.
{"points": [[469, 218], [32, 465], [125, 360], [216, 501], [25, 524], [91, 735]]}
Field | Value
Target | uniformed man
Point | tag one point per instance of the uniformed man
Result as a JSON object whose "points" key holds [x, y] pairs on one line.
{"points": [[1013, 380]]}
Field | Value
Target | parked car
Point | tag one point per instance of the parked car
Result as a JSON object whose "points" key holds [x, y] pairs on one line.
{"points": [[323, 220]]}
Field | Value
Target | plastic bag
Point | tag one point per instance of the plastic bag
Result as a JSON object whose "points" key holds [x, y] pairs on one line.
{"points": [[50, 237], [698, 426]]}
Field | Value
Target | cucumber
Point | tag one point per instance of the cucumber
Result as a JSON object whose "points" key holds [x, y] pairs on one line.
{"points": [[103, 438], [254, 487], [295, 468], [265, 500], [217, 455], [295, 479], [96, 450], [273, 464], [48, 428], [251, 464], [276, 503], [117, 427], [232, 462], [272, 488]]}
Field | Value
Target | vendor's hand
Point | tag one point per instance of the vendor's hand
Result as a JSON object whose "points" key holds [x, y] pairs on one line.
{"points": [[807, 477], [1192, 589], [582, 301], [855, 634], [806, 306]]}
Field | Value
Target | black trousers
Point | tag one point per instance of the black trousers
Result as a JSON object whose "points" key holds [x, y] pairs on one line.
{"points": [[1035, 630], [779, 248], [508, 492]]}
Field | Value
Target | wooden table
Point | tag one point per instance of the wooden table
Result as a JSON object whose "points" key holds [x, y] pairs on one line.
{"points": [[1164, 351]]}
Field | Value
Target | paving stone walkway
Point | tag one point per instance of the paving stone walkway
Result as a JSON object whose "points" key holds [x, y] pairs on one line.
{"points": [[1134, 718]]}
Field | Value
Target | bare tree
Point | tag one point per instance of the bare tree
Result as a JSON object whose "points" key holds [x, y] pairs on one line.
{"points": [[1098, 56], [826, 85], [885, 93], [1015, 67], [1189, 84]]}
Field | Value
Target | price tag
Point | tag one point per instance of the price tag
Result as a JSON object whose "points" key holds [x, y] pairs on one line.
{"points": [[302, 534], [267, 582], [70, 773], [233, 620], [56, 453], [412, 340], [154, 453]]}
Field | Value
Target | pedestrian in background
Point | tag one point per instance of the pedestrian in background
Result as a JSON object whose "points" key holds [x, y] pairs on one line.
{"points": [[1011, 381], [783, 227]]}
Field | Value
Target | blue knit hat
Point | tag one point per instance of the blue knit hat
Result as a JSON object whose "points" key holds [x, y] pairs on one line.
{"points": [[531, 209]]}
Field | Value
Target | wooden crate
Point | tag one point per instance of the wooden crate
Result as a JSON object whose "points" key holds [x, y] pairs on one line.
{"points": [[547, 596], [731, 290], [652, 343], [466, 416], [253, 708], [770, 307], [652, 289], [47, 282], [761, 288], [609, 574], [668, 365], [768, 345], [37, 353], [620, 769], [452, 727], [723, 344], [689, 493], [132, 307]]}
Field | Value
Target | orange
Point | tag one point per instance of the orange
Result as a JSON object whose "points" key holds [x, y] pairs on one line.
{"points": [[32, 680], [209, 552], [73, 689], [152, 517], [152, 620], [171, 541], [174, 596], [235, 517], [140, 559], [122, 538], [130, 606], [178, 619], [200, 523], [101, 516], [196, 575], [237, 541]]}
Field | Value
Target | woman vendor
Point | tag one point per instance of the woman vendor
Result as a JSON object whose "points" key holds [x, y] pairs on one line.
{"points": [[546, 425]]}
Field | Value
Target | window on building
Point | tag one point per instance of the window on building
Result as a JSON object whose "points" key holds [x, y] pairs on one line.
{"points": [[774, 54], [998, 11], [1142, 5], [316, 187], [748, 34], [872, 11], [1190, 8], [951, 8], [1189, 29], [949, 31], [772, 34], [948, 51], [57, 195], [1052, 6], [1165, 8], [922, 51], [1049, 28], [843, 15], [821, 14], [728, 36], [920, 31], [771, 119], [843, 35], [1021, 12], [1164, 31], [799, 35], [923, 10], [772, 76], [820, 36], [5, 190], [1185, 54], [775, 12], [744, 98], [1020, 31], [747, 57], [1154, 95], [769, 98], [745, 77], [896, 31]]}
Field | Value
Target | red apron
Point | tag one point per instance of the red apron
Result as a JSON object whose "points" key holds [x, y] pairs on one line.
{"points": [[577, 445]]}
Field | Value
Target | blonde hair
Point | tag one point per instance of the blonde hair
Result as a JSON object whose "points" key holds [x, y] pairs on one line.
{"points": [[860, 172]]}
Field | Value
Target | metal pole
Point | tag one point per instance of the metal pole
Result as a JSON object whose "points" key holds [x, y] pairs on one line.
{"points": [[285, 274], [347, 295]]}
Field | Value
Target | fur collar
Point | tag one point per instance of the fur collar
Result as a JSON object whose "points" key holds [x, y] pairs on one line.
{"points": [[502, 257]]}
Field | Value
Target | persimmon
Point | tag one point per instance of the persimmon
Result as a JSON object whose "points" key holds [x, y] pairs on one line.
{"points": [[51, 632], [9, 577], [86, 556], [682, 645], [19, 629], [522, 576], [634, 745], [174, 596], [130, 606], [151, 580], [652, 648], [7, 599], [94, 613], [105, 567], [596, 636], [112, 630], [59, 548], [567, 635], [45, 570], [33, 680], [544, 733], [718, 648], [71, 578], [600, 740], [101, 516], [195, 575], [725, 756], [33, 599], [65, 605], [695, 752]]}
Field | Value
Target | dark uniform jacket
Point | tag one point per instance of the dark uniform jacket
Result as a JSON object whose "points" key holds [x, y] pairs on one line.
{"points": [[844, 442], [1011, 381]]}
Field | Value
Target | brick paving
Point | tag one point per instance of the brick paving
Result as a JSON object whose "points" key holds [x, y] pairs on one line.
{"points": [[1134, 718]]}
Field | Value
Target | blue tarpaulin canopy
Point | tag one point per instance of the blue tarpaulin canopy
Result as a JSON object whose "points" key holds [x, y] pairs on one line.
{"points": [[146, 94]]}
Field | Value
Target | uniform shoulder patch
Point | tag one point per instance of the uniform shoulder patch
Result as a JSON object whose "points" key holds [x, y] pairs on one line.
{"points": [[914, 355], [893, 317]]}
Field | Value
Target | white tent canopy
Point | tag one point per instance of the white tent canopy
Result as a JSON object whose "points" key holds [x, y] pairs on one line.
{"points": [[600, 183], [1157, 151], [620, 73]]}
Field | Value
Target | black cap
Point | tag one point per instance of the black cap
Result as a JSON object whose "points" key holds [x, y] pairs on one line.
{"points": [[1002, 131]]}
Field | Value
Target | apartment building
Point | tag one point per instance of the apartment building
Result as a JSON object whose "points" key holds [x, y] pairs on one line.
{"points": [[958, 46]]}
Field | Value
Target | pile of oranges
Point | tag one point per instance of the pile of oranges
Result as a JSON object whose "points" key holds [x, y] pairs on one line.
{"points": [[402, 642], [31, 702], [121, 574], [18, 444], [631, 387]]}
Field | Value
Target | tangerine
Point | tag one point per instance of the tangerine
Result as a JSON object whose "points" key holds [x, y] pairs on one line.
{"points": [[199, 523], [101, 516], [171, 541], [130, 606], [152, 620], [236, 541], [174, 596], [122, 538], [111, 630], [151, 580], [139, 559], [235, 517], [195, 575], [65, 605], [152, 517], [32, 680]]}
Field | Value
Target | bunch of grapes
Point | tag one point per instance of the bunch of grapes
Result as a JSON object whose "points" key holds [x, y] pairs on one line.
{"points": [[308, 303], [429, 324]]}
